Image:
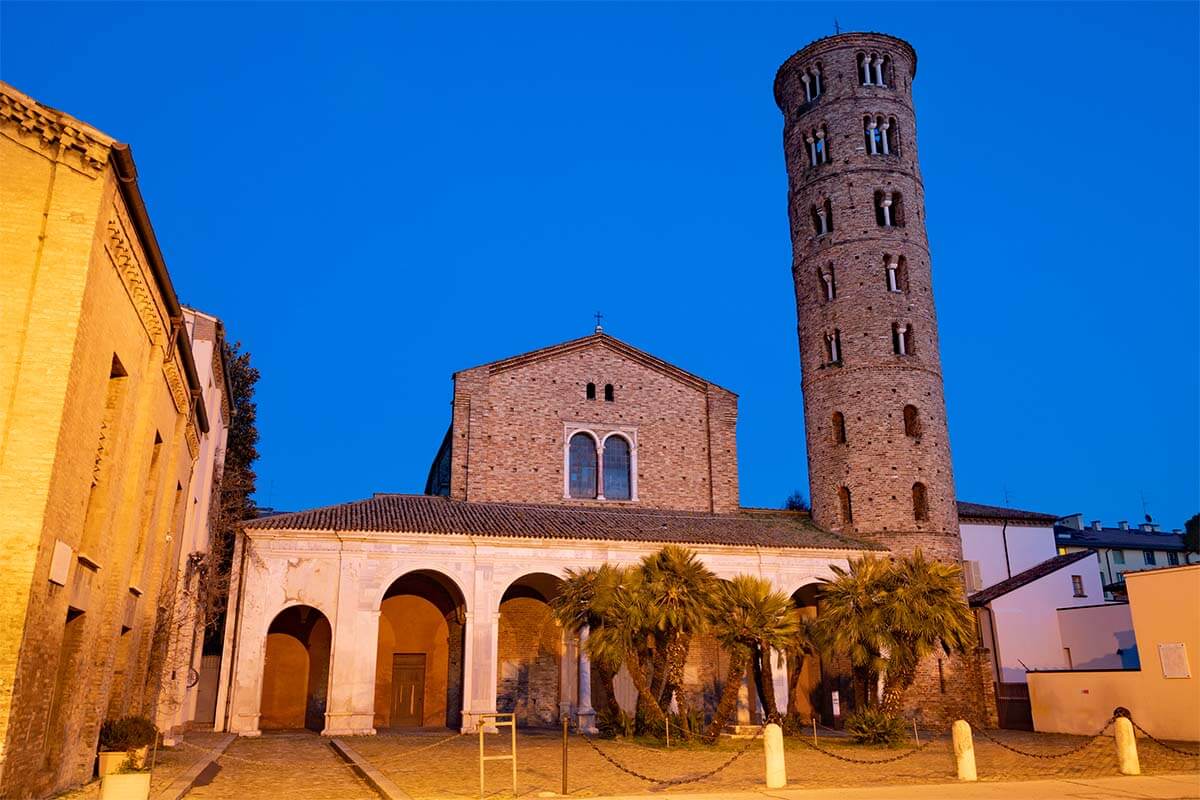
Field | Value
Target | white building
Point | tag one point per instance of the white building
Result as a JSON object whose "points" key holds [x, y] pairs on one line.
{"points": [[1122, 549]]}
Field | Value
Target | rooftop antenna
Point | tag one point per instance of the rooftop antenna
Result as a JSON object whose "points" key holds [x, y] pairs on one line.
{"points": [[836, 27], [1145, 510], [599, 316], [1006, 500]]}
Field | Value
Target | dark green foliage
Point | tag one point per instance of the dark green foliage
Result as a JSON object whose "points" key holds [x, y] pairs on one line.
{"points": [[1191, 534], [874, 726], [127, 733]]}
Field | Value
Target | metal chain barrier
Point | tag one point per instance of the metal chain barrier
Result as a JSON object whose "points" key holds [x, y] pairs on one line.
{"points": [[673, 781], [890, 760], [1161, 743], [1045, 756]]}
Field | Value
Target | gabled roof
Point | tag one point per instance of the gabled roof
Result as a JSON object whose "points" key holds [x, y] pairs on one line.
{"points": [[1117, 538], [1037, 571], [979, 511], [604, 340], [422, 514]]}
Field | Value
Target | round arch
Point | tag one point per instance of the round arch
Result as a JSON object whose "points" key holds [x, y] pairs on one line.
{"points": [[295, 684], [530, 650], [419, 657], [807, 690]]}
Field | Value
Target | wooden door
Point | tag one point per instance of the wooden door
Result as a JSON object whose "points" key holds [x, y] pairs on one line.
{"points": [[408, 689]]}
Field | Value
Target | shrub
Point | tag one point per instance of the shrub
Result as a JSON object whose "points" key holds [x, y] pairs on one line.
{"points": [[127, 733], [872, 726]]}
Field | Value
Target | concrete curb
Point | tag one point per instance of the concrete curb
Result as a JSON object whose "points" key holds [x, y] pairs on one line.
{"points": [[183, 783], [378, 781]]}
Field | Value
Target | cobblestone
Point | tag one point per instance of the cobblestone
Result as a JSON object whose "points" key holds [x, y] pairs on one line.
{"points": [[293, 765]]}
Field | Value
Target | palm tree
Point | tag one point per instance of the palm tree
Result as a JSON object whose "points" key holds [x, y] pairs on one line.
{"points": [[851, 619], [677, 592], [749, 618], [924, 607], [582, 600], [623, 637]]}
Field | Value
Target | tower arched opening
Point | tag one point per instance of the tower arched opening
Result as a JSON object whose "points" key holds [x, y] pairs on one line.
{"points": [[419, 658]]}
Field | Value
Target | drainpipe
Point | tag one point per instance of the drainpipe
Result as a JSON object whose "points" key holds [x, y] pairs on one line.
{"points": [[1004, 537]]}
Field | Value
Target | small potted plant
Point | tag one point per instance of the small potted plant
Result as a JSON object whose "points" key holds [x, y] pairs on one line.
{"points": [[125, 740], [129, 782]]}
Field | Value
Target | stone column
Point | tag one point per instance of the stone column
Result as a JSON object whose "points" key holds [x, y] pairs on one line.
{"points": [[481, 668], [808, 95], [883, 137], [879, 70], [350, 710], [585, 713]]}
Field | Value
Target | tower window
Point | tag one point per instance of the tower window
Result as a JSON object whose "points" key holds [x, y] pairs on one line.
{"points": [[818, 146], [889, 209], [608, 393], [847, 506], [616, 468], [880, 133], [839, 428], [591, 391], [902, 339], [895, 270], [833, 348], [874, 69], [813, 82], [822, 217], [828, 282], [920, 503], [912, 421], [582, 466]]}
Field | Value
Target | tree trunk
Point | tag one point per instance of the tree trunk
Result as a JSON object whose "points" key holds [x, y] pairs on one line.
{"points": [[862, 687], [606, 676], [647, 705], [766, 686], [795, 662], [899, 677], [658, 668], [677, 653], [729, 694]]}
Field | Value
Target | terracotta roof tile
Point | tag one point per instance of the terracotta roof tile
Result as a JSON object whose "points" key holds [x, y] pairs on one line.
{"points": [[980, 511], [423, 514]]}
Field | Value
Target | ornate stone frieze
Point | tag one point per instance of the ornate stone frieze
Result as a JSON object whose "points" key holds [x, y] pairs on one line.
{"points": [[179, 391], [193, 440], [43, 132], [126, 259]]}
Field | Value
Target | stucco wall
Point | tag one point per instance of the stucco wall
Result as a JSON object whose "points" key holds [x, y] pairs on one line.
{"points": [[984, 542], [1094, 634], [1027, 619], [1164, 611]]}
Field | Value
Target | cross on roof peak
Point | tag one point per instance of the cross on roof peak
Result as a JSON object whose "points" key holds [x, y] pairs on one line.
{"points": [[599, 316]]}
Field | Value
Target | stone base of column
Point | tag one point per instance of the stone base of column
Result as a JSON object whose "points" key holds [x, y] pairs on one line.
{"points": [[472, 720], [587, 721], [349, 724]]}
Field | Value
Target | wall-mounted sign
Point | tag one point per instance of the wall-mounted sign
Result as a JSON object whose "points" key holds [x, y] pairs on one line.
{"points": [[837, 704], [1173, 656]]}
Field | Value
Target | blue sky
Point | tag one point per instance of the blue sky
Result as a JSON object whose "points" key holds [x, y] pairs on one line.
{"points": [[373, 196]]}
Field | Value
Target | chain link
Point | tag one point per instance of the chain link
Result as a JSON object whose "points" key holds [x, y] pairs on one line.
{"points": [[1163, 744], [1045, 756], [673, 781], [849, 760]]}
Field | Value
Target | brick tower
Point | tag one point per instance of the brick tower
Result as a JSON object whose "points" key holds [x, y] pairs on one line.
{"points": [[878, 452], [878, 449]]}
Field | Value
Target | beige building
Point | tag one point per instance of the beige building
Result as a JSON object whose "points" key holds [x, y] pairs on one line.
{"points": [[101, 417], [1163, 695]]}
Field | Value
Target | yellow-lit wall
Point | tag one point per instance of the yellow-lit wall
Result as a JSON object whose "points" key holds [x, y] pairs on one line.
{"points": [[1165, 605], [411, 624], [77, 288]]}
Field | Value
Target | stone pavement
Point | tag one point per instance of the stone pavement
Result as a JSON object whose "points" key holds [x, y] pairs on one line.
{"points": [[1142, 787], [296, 765]]}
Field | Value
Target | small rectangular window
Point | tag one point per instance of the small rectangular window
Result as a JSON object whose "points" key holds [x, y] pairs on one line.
{"points": [[1148, 555], [1077, 585], [1118, 556], [1173, 559]]}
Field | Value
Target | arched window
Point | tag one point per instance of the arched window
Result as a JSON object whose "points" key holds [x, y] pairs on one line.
{"points": [[608, 393], [895, 270], [902, 339], [818, 146], [833, 347], [839, 428], [912, 421], [828, 282], [811, 78], [583, 464], [822, 217], [616, 468], [920, 503], [847, 508], [591, 391]]}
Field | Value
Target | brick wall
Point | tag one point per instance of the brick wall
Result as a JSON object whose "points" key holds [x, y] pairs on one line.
{"points": [[510, 421], [529, 649], [79, 286]]}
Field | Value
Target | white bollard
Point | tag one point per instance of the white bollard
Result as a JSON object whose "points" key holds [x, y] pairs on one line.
{"points": [[1127, 757], [964, 751], [776, 768]]}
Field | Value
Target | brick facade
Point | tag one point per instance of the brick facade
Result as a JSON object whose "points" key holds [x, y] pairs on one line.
{"points": [[511, 420], [865, 388], [93, 456]]}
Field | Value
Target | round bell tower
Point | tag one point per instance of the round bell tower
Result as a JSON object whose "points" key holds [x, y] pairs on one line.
{"points": [[878, 449]]}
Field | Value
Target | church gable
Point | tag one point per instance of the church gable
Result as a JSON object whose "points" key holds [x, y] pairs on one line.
{"points": [[593, 421]]}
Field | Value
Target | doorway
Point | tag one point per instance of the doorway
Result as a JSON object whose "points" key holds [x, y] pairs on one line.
{"points": [[408, 689]]}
